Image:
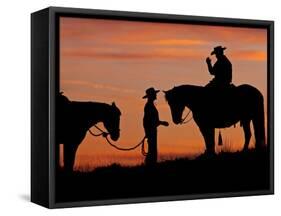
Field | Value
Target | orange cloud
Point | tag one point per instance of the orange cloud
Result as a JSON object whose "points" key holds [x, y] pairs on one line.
{"points": [[248, 55], [127, 54], [178, 42], [112, 32]]}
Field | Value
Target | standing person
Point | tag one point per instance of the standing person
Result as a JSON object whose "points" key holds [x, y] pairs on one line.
{"points": [[222, 69], [150, 123]]}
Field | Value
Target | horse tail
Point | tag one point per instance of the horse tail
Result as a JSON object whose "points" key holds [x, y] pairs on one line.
{"points": [[258, 123]]}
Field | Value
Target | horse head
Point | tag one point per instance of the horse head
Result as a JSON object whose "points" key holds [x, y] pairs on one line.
{"points": [[176, 105], [112, 122]]}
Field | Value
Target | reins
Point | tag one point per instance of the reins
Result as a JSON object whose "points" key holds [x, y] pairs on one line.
{"points": [[105, 135], [184, 121]]}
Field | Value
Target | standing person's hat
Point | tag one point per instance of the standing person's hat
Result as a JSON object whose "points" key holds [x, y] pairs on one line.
{"points": [[150, 92], [218, 49]]}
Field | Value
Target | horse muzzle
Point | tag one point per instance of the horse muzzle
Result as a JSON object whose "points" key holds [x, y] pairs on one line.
{"points": [[177, 121]]}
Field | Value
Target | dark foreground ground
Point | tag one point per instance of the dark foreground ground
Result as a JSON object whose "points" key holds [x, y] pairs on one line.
{"points": [[226, 172]]}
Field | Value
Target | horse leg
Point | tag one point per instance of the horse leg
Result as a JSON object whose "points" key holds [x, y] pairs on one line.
{"points": [[258, 123], [209, 137], [69, 156], [247, 134]]}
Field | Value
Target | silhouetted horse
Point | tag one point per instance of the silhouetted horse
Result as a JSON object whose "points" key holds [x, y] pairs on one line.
{"points": [[220, 108], [74, 120]]}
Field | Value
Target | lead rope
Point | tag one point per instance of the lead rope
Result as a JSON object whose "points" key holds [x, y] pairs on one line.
{"points": [[105, 134]]}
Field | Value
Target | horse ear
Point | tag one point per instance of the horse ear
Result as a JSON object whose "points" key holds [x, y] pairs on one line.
{"points": [[113, 104], [164, 91]]}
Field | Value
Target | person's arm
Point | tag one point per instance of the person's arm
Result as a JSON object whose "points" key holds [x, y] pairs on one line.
{"points": [[210, 67], [164, 123], [159, 122]]}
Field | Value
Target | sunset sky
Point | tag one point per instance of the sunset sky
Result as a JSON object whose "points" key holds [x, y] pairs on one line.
{"points": [[108, 60]]}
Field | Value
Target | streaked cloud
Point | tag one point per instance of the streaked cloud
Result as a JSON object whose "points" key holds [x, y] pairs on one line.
{"points": [[96, 86], [178, 42], [250, 55], [164, 52]]}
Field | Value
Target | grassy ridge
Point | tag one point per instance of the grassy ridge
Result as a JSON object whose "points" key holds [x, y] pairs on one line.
{"points": [[226, 172]]}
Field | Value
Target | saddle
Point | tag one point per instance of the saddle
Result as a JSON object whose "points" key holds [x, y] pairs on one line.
{"points": [[220, 101]]}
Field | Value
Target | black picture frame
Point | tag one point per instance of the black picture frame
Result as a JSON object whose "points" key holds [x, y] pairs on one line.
{"points": [[45, 84]]}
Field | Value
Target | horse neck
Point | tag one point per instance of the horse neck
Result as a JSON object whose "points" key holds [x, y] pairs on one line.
{"points": [[95, 112], [190, 95]]}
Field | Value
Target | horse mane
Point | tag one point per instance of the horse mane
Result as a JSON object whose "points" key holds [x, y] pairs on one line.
{"points": [[85, 105], [172, 93]]}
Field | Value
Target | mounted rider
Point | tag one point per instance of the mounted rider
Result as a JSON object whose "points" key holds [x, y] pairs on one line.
{"points": [[222, 69]]}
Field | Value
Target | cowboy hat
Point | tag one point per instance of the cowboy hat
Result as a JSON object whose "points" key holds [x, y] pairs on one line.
{"points": [[150, 91], [218, 49]]}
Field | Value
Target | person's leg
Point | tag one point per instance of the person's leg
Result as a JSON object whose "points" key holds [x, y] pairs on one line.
{"points": [[212, 83], [147, 160], [154, 147]]}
